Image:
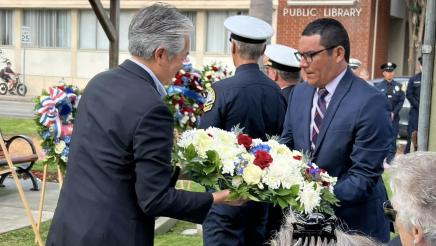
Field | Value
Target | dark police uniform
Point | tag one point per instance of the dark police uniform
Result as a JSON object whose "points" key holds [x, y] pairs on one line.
{"points": [[252, 101], [413, 93], [395, 96], [287, 91]]}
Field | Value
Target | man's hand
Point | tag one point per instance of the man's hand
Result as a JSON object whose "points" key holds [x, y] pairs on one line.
{"points": [[220, 197], [392, 115]]}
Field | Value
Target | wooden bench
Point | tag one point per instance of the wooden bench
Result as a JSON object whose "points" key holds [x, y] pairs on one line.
{"points": [[23, 163]]}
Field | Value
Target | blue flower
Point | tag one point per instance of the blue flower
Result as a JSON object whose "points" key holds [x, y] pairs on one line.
{"points": [[258, 147], [46, 135], [66, 151], [65, 109], [67, 139], [69, 90]]}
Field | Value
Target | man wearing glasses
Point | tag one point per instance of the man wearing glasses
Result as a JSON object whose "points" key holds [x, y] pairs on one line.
{"points": [[343, 122]]}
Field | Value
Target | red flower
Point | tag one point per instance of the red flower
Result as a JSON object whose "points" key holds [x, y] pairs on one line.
{"points": [[263, 159], [297, 157], [214, 68], [245, 140]]}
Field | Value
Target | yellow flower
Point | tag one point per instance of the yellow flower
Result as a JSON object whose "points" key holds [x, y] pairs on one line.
{"points": [[252, 174]]}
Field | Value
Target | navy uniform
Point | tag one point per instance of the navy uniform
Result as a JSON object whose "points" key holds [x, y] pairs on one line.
{"points": [[252, 101], [395, 96], [282, 58], [413, 93]]}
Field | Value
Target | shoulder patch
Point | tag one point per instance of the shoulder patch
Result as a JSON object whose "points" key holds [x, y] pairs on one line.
{"points": [[210, 99]]}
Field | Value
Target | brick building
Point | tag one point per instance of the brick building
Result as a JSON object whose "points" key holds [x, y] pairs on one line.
{"points": [[377, 28]]}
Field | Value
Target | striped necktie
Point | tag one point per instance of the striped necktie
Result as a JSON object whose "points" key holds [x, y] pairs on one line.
{"points": [[320, 110]]}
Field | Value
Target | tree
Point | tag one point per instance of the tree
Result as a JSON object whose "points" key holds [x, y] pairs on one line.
{"points": [[416, 19]]}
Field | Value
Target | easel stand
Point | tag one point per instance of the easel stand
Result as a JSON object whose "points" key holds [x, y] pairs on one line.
{"points": [[42, 198]]}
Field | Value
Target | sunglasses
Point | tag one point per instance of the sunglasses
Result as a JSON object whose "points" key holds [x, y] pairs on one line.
{"points": [[389, 211]]}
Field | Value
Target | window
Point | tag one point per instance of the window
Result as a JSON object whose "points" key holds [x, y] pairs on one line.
{"points": [[217, 40], [6, 27], [92, 35], [193, 17], [49, 28]]}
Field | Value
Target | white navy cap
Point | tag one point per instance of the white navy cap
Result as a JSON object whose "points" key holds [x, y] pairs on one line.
{"points": [[248, 29], [281, 57], [354, 63]]}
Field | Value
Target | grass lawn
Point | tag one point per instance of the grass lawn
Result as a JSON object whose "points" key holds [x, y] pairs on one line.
{"points": [[15, 126], [24, 237]]}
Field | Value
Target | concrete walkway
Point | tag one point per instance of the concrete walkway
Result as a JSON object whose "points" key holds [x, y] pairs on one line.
{"points": [[12, 213]]}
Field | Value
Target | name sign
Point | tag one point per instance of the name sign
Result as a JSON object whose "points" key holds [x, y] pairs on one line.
{"points": [[322, 12]]}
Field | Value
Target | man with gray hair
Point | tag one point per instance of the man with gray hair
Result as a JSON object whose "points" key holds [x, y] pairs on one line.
{"points": [[253, 101], [413, 186], [119, 170]]}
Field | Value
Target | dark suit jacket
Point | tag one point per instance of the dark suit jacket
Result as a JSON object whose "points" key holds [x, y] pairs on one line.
{"points": [[353, 141], [118, 174]]}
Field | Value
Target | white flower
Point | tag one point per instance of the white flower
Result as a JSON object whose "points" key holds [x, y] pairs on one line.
{"points": [[237, 181], [309, 197], [282, 171], [59, 147], [252, 174]]}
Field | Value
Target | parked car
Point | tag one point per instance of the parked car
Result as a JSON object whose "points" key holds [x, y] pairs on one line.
{"points": [[404, 113]]}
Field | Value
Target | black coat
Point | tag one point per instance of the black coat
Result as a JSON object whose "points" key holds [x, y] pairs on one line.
{"points": [[413, 94], [118, 174]]}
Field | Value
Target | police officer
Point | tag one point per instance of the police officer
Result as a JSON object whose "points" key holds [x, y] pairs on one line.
{"points": [[253, 101], [282, 66], [354, 64], [412, 93], [395, 96]]}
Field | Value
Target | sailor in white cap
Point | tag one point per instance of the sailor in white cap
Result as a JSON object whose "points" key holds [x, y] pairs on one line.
{"points": [[282, 66], [354, 64], [254, 102]]}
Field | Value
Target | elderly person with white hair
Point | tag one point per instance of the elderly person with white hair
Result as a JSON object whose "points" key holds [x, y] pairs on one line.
{"points": [[316, 230], [413, 183]]}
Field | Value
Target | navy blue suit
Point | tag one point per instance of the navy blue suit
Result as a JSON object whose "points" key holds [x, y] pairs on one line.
{"points": [[353, 141], [253, 101], [395, 97], [119, 167], [413, 93]]}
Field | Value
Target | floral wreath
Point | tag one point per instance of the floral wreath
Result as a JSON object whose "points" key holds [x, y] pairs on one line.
{"points": [[214, 72], [56, 110], [185, 98]]}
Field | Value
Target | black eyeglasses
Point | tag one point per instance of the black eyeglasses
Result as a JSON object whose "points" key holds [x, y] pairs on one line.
{"points": [[308, 56], [390, 212]]}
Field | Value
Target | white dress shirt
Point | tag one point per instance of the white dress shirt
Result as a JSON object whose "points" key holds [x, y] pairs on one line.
{"points": [[159, 86]]}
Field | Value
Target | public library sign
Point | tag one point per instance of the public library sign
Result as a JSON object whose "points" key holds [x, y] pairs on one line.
{"points": [[321, 10]]}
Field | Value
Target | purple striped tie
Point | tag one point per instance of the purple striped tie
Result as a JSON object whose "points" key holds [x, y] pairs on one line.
{"points": [[319, 115]]}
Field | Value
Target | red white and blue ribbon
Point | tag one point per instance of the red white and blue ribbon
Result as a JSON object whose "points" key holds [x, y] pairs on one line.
{"points": [[49, 112]]}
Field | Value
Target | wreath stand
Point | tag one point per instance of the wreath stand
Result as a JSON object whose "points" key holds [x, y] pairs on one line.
{"points": [[42, 198], [11, 169]]}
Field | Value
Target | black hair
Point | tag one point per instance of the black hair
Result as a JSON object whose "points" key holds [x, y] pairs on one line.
{"points": [[332, 34], [420, 60]]}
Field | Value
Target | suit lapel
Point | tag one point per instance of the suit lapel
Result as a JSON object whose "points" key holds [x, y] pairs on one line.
{"points": [[307, 110], [138, 71], [341, 90]]}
